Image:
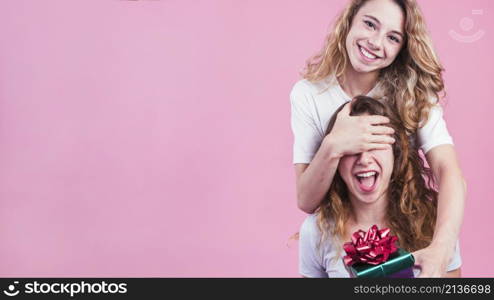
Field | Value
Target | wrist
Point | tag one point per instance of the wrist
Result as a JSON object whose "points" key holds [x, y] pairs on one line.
{"points": [[445, 246], [331, 149]]}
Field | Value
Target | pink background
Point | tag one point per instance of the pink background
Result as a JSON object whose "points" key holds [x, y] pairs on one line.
{"points": [[152, 138]]}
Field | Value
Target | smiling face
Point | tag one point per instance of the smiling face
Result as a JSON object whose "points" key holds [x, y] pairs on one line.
{"points": [[367, 174], [376, 35]]}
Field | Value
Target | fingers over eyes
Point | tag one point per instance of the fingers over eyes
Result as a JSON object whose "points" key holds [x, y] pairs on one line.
{"points": [[381, 139], [376, 119], [376, 129]]}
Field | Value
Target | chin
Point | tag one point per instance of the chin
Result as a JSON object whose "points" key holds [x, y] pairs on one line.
{"points": [[360, 68], [368, 199]]}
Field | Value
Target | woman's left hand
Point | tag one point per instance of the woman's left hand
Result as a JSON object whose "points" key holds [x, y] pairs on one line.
{"points": [[432, 261]]}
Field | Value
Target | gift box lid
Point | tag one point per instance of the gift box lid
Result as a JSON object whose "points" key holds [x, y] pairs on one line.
{"points": [[398, 261]]}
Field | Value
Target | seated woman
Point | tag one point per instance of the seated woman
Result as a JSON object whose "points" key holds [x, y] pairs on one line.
{"points": [[390, 188]]}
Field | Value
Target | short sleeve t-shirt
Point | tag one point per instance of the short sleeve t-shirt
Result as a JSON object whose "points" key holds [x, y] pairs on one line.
{"points": [[313, 105], [327, 261]]}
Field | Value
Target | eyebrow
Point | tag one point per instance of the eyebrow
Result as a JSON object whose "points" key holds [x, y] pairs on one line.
{"points": [[377, 21]]}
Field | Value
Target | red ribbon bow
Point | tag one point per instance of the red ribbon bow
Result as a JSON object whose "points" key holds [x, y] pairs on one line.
{"points": [[373, 247]]}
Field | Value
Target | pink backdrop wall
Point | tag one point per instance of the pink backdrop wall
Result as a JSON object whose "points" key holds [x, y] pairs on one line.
{"points": [[152, 138]]}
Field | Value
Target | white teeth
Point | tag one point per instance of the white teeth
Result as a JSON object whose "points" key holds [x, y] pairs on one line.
{"points": [[367, 54], [368, 174]]}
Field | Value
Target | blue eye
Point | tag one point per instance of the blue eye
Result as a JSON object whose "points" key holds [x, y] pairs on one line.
{"points": [[370, 24]]}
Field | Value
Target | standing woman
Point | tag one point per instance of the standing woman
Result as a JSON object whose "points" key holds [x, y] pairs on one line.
{"points": [[377, 48]]}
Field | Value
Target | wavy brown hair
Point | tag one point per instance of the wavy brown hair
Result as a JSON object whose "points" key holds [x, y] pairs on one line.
{"points": [[412, 81], [412, 197]]}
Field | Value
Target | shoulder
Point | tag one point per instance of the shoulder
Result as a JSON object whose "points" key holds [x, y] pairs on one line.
{"points": [[310, 222], [434, 100], [309, 231], [310, 228], [436, 109], [435, 114], [302, 87], [306, 87], [320, 252]]}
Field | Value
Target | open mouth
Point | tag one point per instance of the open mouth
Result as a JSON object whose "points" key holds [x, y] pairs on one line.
{"points": [[367, 181], [366, 55]]}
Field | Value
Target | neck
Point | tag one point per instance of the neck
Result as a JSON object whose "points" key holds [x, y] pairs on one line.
{"points": [[365, 215], [357, 83]]}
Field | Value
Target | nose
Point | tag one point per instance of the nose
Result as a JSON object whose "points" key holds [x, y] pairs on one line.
{"points": [[364, 159], [375, 41]]}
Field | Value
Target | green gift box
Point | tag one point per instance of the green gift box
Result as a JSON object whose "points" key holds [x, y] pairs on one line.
{"points": [[399, 265]]}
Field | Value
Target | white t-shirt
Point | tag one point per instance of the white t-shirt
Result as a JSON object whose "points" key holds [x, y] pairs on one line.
{"points": [[313, 263], [313, 106]]}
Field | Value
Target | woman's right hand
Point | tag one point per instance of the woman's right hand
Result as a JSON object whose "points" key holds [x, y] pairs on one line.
{"points": [[356, 134]]}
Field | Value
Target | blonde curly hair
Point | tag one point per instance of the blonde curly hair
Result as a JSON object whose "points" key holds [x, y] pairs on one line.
{"points": [[413, 81]]}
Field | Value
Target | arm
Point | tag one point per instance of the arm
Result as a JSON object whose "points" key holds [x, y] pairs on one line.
{"points": [[451, 199], [314, 179], [451, 202]]}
